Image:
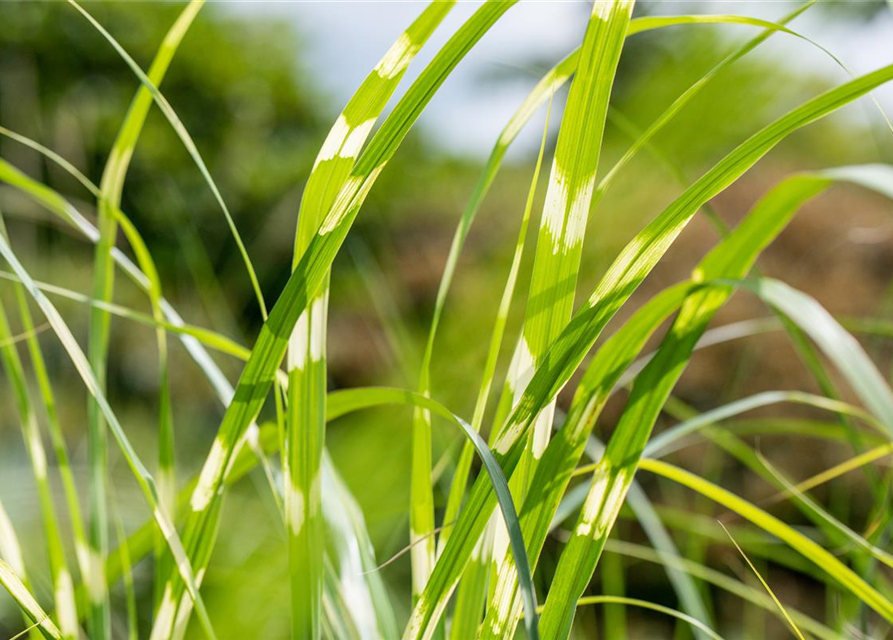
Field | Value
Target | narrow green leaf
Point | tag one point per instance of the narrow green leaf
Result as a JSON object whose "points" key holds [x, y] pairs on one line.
{"points": [[139, 470], [308, 278], [306, 354], [838, 344], [810, 550], [613, 475], [20, 593], [644, 604]]}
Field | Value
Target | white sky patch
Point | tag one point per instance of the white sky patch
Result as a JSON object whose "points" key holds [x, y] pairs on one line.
{"points": [[297, 343], [295, 508], [317, 328], [213, 467], [397, 58]]}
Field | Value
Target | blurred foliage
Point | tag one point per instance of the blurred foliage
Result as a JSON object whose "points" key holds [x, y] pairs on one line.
{"points": [[241, 89]]}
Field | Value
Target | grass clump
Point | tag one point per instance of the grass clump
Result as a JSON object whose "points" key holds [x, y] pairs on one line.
{"points": [[480, 557]]}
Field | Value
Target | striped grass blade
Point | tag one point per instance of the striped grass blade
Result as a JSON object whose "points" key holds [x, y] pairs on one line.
{"points": [[622, 278], [306, 352]]}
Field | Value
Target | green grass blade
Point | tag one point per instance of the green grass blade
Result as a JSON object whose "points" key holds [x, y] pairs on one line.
{"points": [[722, 581], [20, 593], [207, 337], [306, 359], [612, 476], [141, 473], [559, 244], [53, 157], [642, 253], [840, 469], [668, 441], [472, 593], [568, 199], [351, 552], [837, 343], [690, 599], [356, 399], [308, 278], [822, 516], [11, 552], [677, 105], [644, 604], [735, 255], [109, 200], [187, 141], [63, 589], [765, 584], [542, 92], [805, 546], [127, 571], [566, 448], [55, 428]]}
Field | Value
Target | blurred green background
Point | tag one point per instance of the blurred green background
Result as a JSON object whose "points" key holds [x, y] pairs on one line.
{"points": [[258, 111]]}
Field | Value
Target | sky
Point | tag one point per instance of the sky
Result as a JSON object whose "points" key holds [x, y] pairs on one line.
{"points": [[344, 39]]}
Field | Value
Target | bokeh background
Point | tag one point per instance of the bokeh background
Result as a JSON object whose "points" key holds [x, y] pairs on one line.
{"points": [[258, 84]]}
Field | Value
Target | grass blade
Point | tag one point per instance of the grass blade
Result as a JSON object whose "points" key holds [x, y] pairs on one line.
{"points": [[109, 200], [66, 609], [722, 581], [613, 474], [635, 602], [636, 260], [187, 141], [306, 359], [775, 599], [20, 593], [308, 278], [838, 344], [796, 540], [143, 477], [472, 593]]}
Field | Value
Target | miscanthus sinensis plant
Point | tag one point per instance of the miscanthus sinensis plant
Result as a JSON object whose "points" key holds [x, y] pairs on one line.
{"points": [[539, 472]]}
